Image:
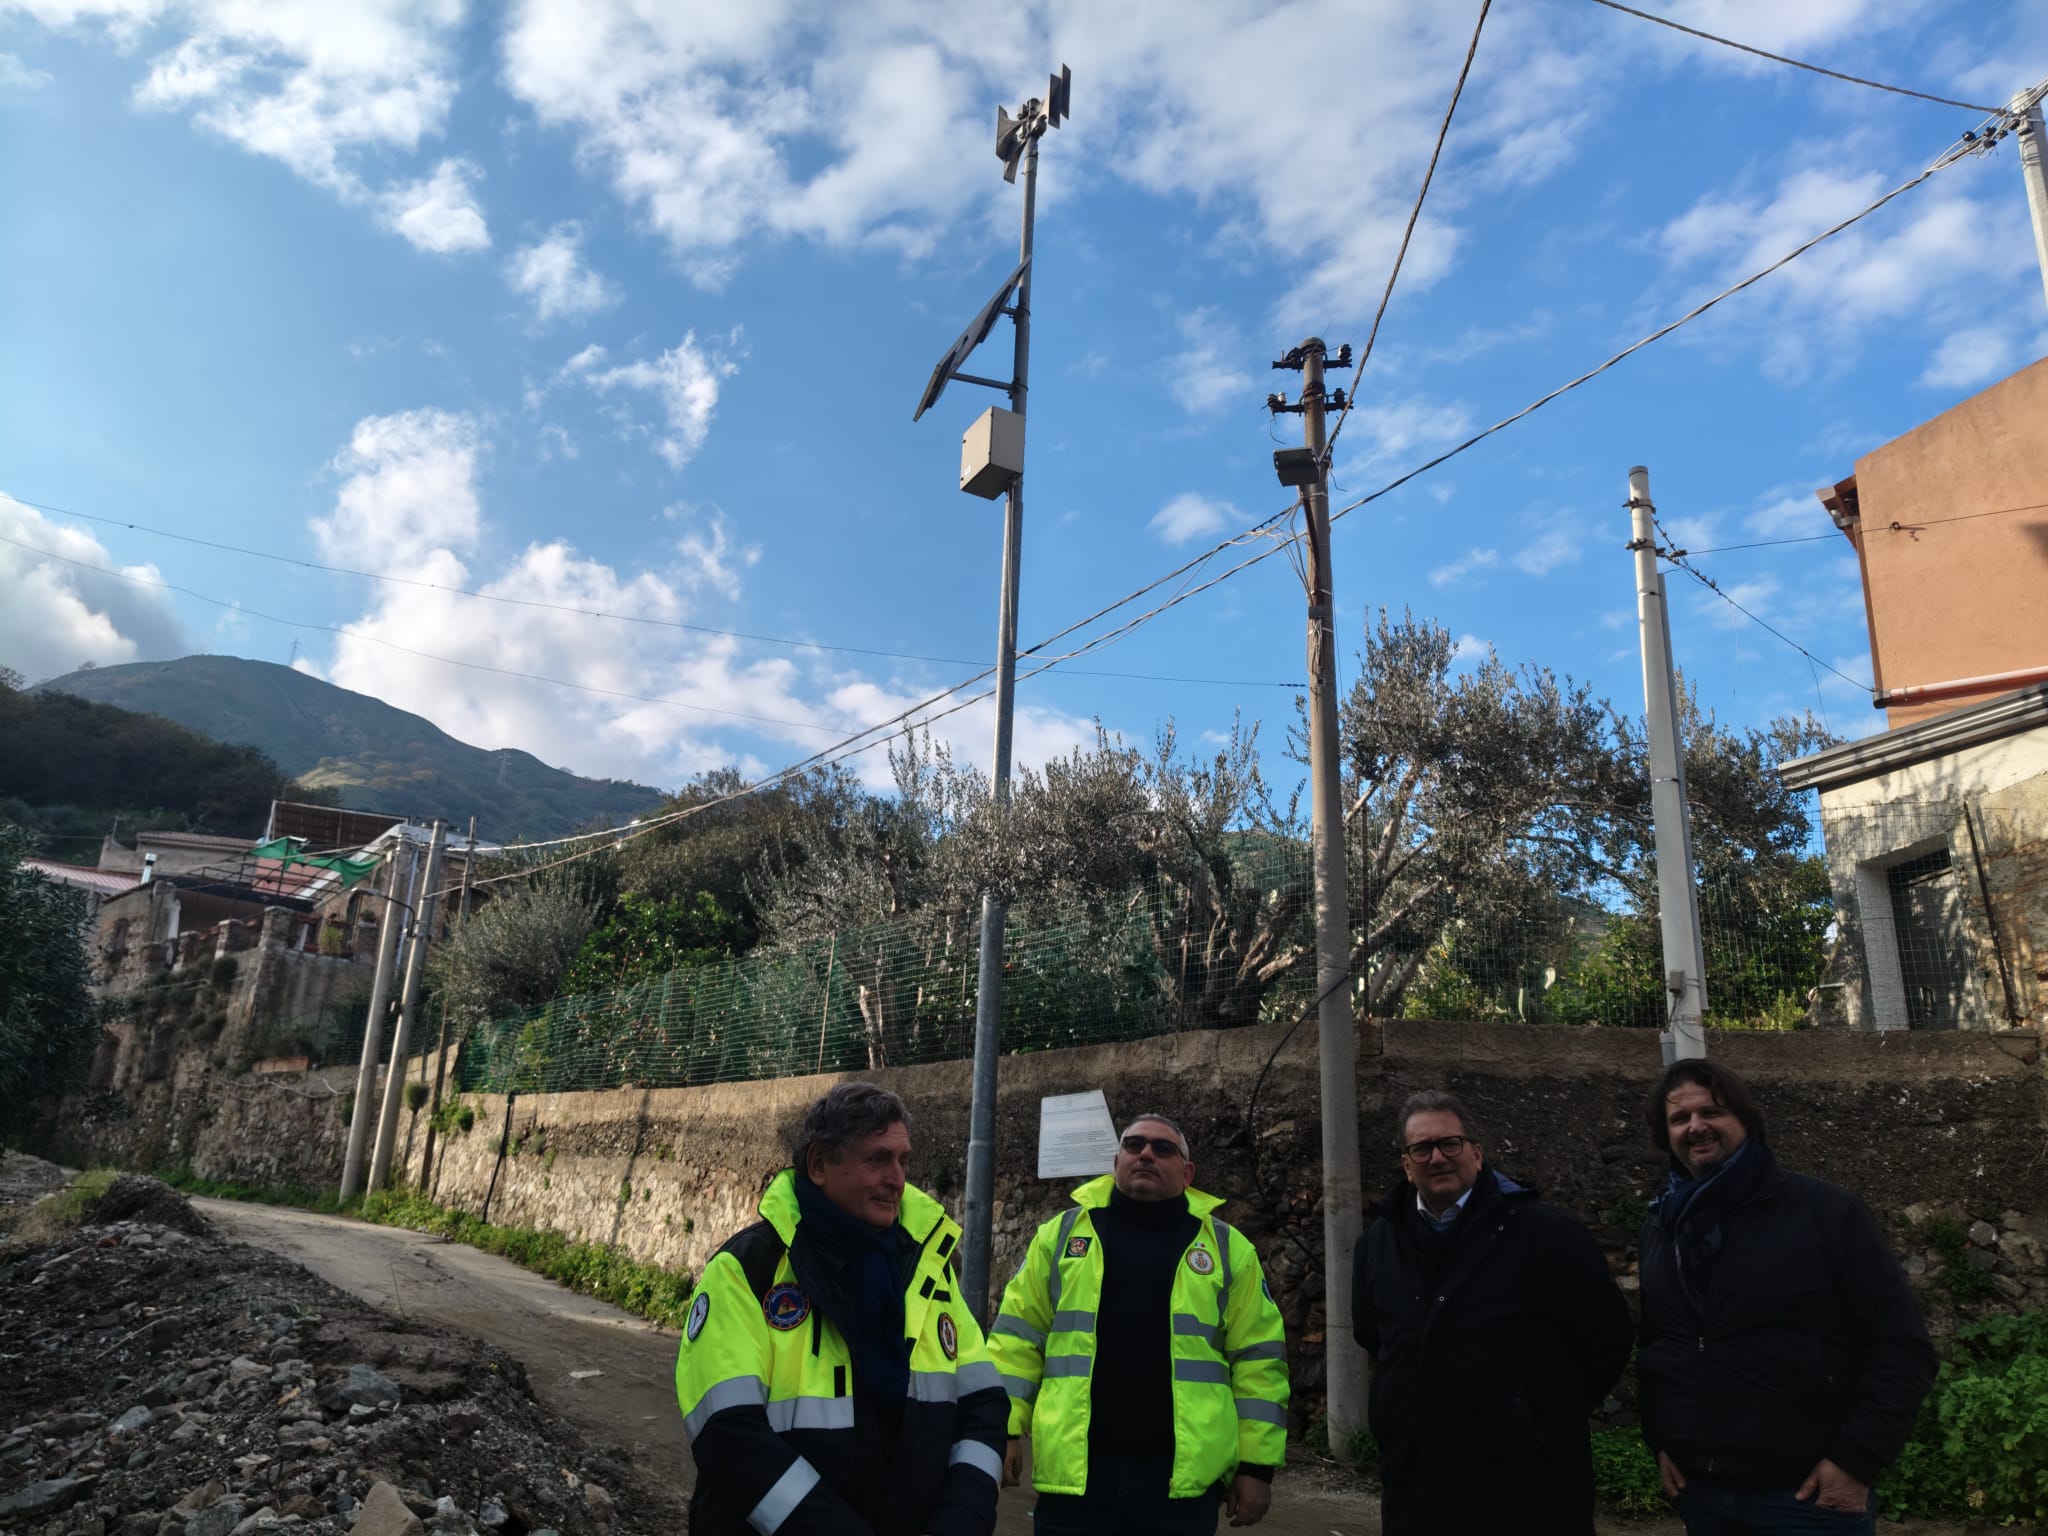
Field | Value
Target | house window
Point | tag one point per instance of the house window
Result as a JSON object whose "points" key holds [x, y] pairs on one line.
{"points": [[1927, 917]]}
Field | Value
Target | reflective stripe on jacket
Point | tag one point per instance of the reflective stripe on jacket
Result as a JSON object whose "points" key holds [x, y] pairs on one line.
{"points": [[1228, 1347], [764, 1380]]}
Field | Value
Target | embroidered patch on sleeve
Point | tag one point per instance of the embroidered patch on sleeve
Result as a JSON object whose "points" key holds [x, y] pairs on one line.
{"points": [[785, 1306], [949, 1337], [699, 1310]]}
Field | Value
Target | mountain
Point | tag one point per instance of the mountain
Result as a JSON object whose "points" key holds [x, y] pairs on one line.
{"points": [[373, 756]]}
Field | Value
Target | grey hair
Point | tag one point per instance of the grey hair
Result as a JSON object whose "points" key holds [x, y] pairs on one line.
{"points": [[1433, 1101], [841, 1116], [1182, 1135]]}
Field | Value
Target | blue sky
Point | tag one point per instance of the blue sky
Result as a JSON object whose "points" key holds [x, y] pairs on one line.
{"points": [[625, 307]]}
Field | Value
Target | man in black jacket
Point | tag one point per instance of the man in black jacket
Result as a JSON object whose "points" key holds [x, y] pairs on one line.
{"points": [[1494, 1329], [1782, 1357]]}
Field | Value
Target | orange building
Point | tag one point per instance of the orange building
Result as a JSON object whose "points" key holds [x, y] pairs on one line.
{"points": [[1950, 528], [1937, 827]]}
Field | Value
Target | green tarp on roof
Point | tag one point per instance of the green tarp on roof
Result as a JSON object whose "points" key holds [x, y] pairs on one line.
{"points": [[286, 851]]}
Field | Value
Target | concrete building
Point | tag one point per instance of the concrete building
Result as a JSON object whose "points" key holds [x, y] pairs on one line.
{"points": [[1937, 827]]}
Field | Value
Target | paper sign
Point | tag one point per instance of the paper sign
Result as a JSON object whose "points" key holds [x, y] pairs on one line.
{"points": [[1075, 1135]]}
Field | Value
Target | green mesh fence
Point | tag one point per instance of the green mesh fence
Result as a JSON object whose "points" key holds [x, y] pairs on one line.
{"points": [[1236, 952]]}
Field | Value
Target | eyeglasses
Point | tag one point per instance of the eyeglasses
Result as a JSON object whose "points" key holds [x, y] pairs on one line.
{"points": [[1418, 1151], [1160, 1145]]}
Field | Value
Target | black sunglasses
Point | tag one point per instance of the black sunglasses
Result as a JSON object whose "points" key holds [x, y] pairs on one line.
{"points": [[1160, 1145]]}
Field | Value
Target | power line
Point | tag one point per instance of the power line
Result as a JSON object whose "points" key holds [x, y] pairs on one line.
{"points": [[1443, 132], [1779, 58], [1968, 145], [1676, 557], [1897, 525], [588, 613]]}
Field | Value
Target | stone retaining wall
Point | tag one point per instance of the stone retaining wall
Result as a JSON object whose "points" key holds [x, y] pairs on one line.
{"points": [[1945, 1135]]}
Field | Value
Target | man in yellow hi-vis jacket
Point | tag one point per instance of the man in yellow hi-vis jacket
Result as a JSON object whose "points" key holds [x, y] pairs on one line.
{"points": [[831, 1381], [1143, 1355]]}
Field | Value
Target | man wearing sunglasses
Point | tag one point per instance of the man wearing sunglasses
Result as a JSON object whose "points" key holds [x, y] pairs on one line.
{"points": [[1494, 1329], [1143, 1355]]}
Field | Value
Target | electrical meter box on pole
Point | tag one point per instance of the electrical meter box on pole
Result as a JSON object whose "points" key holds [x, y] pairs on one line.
{"points": [[992, 453]]}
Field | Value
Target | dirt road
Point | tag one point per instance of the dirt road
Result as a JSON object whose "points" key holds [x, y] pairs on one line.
{"points": [[605, 1369]]}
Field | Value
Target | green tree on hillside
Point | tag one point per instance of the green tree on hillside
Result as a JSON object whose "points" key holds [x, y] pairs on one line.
{"points": [[48, 1029]]}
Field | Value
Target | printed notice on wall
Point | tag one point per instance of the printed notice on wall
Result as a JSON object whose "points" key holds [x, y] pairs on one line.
{"points": [[1075, 1135]]}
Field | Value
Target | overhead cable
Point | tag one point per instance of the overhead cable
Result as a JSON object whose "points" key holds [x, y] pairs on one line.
{"points": [[1676, 556], [1969, 145], [1408, 233], [1779, 58]]}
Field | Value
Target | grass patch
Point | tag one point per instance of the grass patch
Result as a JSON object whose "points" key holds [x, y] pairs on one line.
{"points": [[1625, 1473], [295, 1195], [646, 1290], [54, 1215]]}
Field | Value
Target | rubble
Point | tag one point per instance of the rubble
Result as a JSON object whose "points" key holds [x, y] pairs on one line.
{"points": [[158, 1380]]}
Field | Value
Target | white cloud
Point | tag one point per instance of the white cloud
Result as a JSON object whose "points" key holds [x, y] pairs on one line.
{"points": [[1969, 357], [409, 500], [1207, 377], [1469, 650], [868, 125], [1938, 259], [1561, 544], [1189, 516], [60, 612], [684, 380], [551, 273], [331, 91], [648, 700], [440, 212], [17, 79], [1395, 433], [1457, 570]]}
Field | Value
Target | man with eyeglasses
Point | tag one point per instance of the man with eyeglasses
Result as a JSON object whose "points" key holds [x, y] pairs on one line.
{"points": [[1143, 1355], [1783, 1358], [1494, 1329]]}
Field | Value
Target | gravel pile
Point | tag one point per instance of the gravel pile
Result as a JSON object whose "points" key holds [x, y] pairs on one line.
{"points": [[156, 1380]]}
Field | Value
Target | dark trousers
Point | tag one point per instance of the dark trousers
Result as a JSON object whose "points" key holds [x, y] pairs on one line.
{"points": [[1709, 1509], [1126, 1497]]}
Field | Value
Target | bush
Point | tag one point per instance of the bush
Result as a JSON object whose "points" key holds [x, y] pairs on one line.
{"points": [[1625, 1473], [416, 1096], [1980, 1451], [660, 1295], [1965, 1282], [223, 971]]}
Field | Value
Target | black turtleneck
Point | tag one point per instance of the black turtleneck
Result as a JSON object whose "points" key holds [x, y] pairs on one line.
{"points": [[1131, 1409]]}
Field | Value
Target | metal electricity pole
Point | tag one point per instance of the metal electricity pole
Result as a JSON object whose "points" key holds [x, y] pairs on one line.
{"points": [[2033, 139], [361, 1119], [1678, 901], [415, 973], [991, 464], [1337, 1041]]}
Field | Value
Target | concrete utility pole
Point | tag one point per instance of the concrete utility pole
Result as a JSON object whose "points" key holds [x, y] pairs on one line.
{"points": [[992, 463], [441, 1052], [1337, 1042], [1678, 900], [2033, 139], [361, 1119], [415, 973]]}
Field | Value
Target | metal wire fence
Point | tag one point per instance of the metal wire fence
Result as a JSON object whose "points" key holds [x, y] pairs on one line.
{"points": [[1889, 927]]}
